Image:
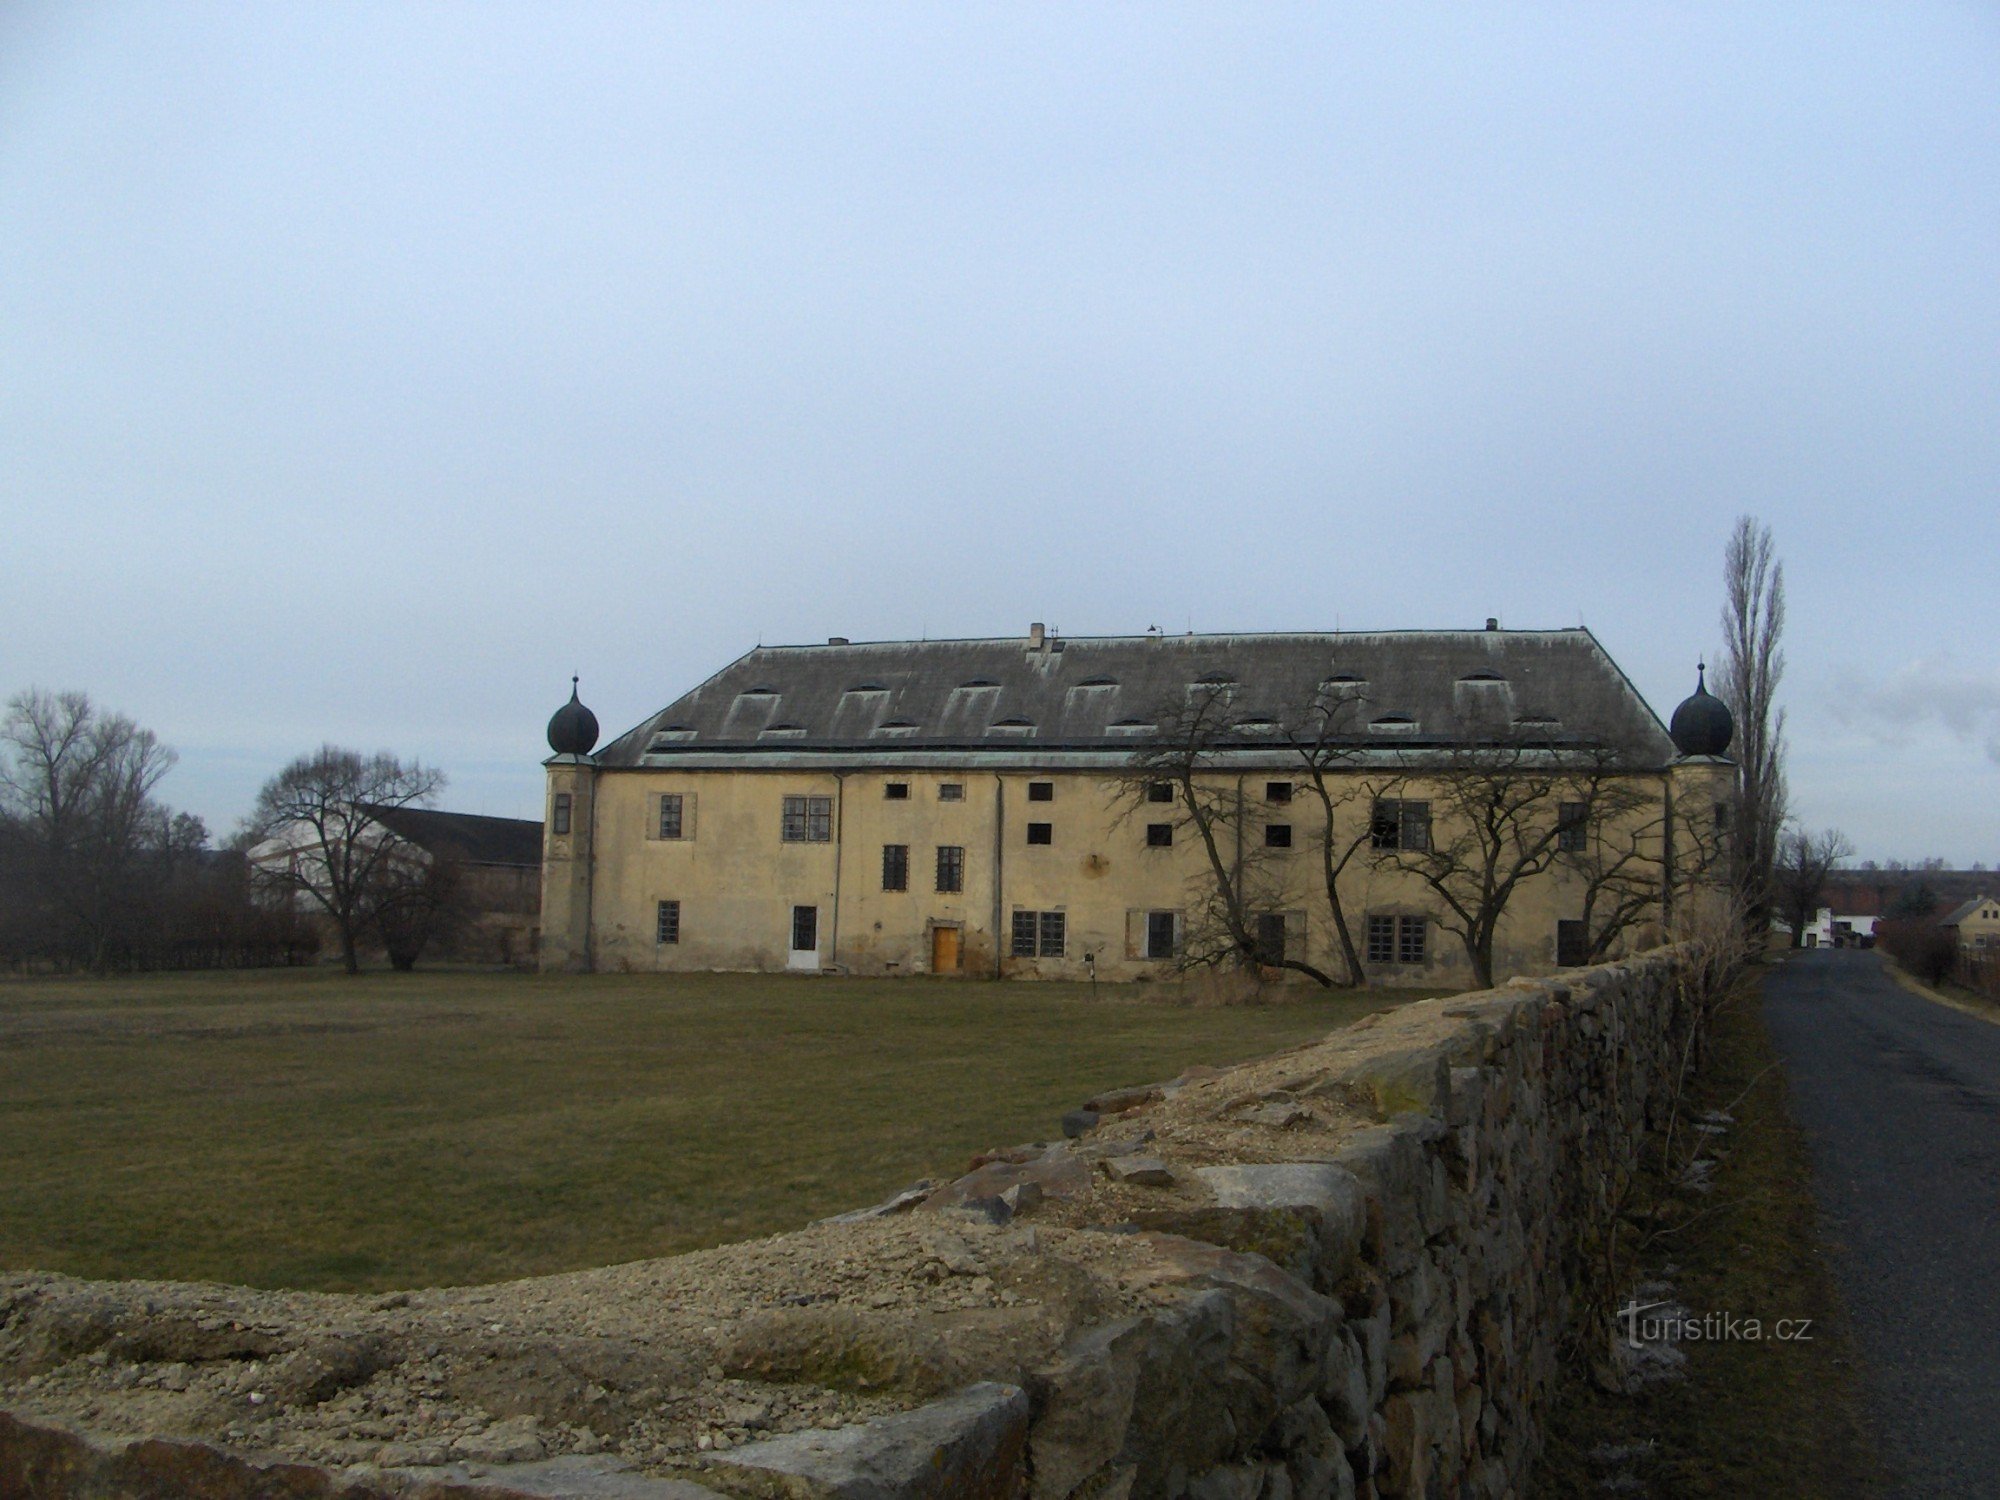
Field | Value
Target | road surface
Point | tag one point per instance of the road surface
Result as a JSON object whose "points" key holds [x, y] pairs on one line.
{"points": [[1899, 1098]]}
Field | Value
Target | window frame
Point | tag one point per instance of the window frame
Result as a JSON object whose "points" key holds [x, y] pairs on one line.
{"points": [[1159, 835], [667, 923], [1173, 934], [950, 868], [1278, 836], [806, 819], [674, 804], [1042, 834], [1041, 791], [895, 791], [896, 866], [1038, 934], [561, 813], [1160, 791], [1572, 827], [1400, 823], [1279, 791], [951, 791]]}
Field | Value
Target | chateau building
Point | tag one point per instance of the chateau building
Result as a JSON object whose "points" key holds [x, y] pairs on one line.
{"points": [[1122, 806]]}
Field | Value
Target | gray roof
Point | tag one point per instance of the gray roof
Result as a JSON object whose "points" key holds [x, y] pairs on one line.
{"points": [[1089, 696], [472, 838], [1959, 913]]}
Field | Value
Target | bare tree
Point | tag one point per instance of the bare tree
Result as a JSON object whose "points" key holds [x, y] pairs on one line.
{"points": [[416, 901], [1345, 800], [1496, 816], [1798, 879], [79, 782], [331, 851], [1230, 902], [1753, 663]]}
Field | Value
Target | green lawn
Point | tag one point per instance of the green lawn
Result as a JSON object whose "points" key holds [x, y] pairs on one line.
{"points": [[304, 1129]]}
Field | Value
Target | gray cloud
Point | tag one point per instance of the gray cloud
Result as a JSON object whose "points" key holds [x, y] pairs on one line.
{"points": [[1930, 691]]}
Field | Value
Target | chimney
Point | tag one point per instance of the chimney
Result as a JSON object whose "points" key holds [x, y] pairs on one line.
{"points": [[1492, 623], [1036, 634], [836, 640]]}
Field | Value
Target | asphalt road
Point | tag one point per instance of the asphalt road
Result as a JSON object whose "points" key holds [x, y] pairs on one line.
{"points": [[1900, 1102]]}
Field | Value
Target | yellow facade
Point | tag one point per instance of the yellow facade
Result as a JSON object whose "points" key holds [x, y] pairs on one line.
{"points": [[737, 883]]}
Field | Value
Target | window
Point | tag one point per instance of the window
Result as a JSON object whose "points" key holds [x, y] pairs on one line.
{"points": [[1573, 827], [1041, 833], [896, 791], [951, 791], [1398, 940], [1159, 835], [1160, 934], [1277, 835], [1271, 938], [670, 815], [1277, 791], [895, 867], [1039, 934], [667, 924], [559, 819], [1041, 791], [1160, 791], [807, 820], [950, 867], [805, 929], [1572, 944], [1400, 824]]}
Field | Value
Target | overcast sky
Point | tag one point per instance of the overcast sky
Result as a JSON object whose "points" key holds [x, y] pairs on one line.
{"points": [[365, 371]]}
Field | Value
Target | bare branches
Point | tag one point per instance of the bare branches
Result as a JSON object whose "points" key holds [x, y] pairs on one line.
{"points": [[1499, 814], [1753, 623], [324, 841], [1798, 878], [1231, 903]]}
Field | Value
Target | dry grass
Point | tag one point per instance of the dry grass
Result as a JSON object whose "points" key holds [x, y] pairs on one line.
{"points": [[1752, 1418], [303, 1129]]}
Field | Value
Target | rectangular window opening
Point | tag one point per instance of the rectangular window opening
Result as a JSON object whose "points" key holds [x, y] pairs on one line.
{"points": [[1041, 833], [1400, 823], [896, 791], [1277, 791], [805, 929], [951, 791], [1160, 791], [950, 867], [1271, 938], [1277, 835], [670, 815], [667, 923], [895, 867], [1038, 934], [1159, 835], [1041, 791], [806, 820], [559, 817], [1160, 926], [1573, 827]]}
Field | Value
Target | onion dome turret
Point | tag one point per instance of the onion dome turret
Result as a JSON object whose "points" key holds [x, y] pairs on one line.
{"points": [[1702, 725], [573, 730]]}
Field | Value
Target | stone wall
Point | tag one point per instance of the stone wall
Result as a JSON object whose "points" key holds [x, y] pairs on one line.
{"points": [[1345, 1270]]}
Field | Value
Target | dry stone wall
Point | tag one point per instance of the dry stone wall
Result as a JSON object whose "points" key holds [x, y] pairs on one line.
{"points": [[1344, 1270]]}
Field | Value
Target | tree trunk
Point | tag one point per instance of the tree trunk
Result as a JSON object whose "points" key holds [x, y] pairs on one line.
{"points": [[349, 958]]}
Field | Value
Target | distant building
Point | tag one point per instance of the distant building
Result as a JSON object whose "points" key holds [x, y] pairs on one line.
{"points": [[965, 808], [1976, 923], [498, 863]]}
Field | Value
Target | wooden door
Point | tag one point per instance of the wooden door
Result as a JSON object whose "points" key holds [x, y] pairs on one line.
{"points": [[944, 950]]}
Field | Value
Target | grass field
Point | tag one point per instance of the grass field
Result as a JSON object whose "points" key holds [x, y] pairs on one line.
{"points": [[304, 1129]]}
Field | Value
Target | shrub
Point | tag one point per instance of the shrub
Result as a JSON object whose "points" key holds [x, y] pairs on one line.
{"points": [[1919, 945]]}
